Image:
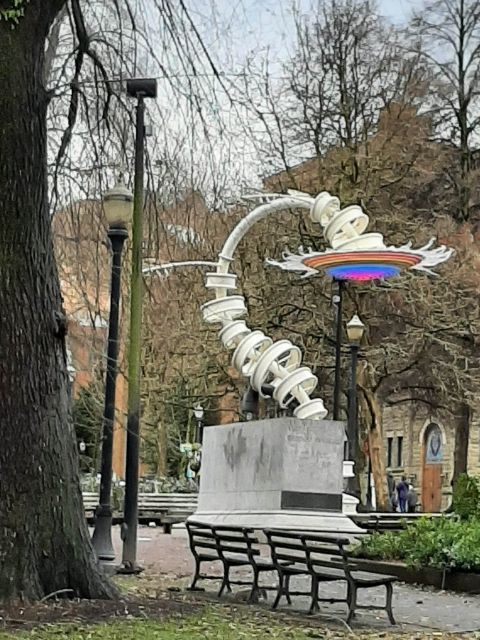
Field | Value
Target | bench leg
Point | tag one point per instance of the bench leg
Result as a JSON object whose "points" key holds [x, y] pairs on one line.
{"points": [[389, 588], [352, 601], [255, 590], [280, 591], [226, 581], [167, 528], [287, 589], [314, 608], [196, 575]]}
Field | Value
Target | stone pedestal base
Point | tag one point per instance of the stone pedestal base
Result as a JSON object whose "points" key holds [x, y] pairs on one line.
{"points": [[349, 504], [285, 473]]}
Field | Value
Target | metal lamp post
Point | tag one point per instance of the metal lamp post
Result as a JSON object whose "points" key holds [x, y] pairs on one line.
{"points": [[355, 331], [139, 89], [198, 412], [338, 300], [117, 205]]}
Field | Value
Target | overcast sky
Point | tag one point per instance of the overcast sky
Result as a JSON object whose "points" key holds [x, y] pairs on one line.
{"points": [[233, 28]]}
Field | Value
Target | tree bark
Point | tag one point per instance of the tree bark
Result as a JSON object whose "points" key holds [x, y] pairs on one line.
{"points": [[44, 541], [462, 436], [162, 443], [372, 411]]}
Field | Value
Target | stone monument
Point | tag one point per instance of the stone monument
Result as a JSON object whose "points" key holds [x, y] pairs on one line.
{"points": [[283, 472]]}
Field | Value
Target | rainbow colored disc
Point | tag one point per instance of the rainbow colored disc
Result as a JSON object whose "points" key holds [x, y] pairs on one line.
{"points": [[363, 265]]}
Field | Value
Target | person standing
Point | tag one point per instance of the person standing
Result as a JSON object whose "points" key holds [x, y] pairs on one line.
{"points": [[392, 502], [402, 492], [411, 499]]}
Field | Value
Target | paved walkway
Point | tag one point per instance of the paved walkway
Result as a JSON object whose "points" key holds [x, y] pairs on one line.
{"points": [[414, 607]]}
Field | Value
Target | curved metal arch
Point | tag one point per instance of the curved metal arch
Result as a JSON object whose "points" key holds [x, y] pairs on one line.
{"points": [[260, 362]]}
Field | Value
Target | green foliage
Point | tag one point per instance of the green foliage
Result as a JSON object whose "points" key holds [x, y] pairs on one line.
{"points": [[440, 543], [174, 414], [167, 485], [14, 12], [87, 413], [466, 497]]}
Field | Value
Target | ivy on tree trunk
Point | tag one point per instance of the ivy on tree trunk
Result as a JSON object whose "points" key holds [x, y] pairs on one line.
{"points": [[44, 541]]}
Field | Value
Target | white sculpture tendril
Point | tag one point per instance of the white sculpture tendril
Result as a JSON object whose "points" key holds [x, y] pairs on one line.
{"points": [[255, 355]]}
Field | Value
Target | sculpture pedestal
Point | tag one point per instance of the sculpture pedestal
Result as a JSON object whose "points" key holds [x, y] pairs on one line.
{"points": [[284, 472]]}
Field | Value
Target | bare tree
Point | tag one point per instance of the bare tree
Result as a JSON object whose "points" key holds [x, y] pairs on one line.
{"points": [[447, 35]]}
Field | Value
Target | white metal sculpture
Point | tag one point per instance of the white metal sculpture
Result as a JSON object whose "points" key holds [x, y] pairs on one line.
{"points": [[258, 357]]}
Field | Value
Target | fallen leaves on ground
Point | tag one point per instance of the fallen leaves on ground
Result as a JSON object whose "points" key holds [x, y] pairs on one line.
{"points": [[213, 622]]}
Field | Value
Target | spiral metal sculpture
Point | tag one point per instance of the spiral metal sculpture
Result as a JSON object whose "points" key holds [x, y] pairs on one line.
{"points": [[255, 355]]}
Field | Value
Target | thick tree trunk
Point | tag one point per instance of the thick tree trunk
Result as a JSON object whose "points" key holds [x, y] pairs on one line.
{"points": [[44, 541], [162, 444], [462, 436], [372, 412]]}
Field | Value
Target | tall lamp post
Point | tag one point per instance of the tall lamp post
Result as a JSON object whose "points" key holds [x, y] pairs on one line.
{"points": [[338, 300], [117, 205], [355, 331], [139, 89]]}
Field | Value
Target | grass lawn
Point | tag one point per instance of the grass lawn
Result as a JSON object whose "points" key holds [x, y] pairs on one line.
{"points": [[216, 622], [157, 608], [222, 623]]}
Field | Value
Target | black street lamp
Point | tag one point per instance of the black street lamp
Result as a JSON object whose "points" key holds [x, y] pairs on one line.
{"points": [[198, 412], [355, 331], [337, 387], [139, 88], [117, 205]]}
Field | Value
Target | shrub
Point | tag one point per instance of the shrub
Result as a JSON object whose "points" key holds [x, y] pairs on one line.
{"points": [[466, 497], [440, 543]]}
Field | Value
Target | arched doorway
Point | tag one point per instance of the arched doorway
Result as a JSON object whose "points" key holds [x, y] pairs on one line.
{"points": [[432, 469]]}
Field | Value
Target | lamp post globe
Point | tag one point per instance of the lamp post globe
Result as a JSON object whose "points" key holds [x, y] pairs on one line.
{"points": [[118, 206], [355, 330], [198, 412]]}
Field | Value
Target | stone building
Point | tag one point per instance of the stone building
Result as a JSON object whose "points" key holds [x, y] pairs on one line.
{"points": [[420, 445]]}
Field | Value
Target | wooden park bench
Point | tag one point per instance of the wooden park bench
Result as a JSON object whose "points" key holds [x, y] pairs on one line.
{"points": [[323, 559], [234, 547], [378, 522], [166, 509], [90, 502]]}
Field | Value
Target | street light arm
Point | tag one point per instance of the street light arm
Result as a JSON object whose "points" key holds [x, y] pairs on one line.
{"points": [[167, 266]]}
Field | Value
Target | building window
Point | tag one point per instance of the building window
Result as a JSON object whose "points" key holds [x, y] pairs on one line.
{"points": [[400, 451], [389, 451], [434, 448]]}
